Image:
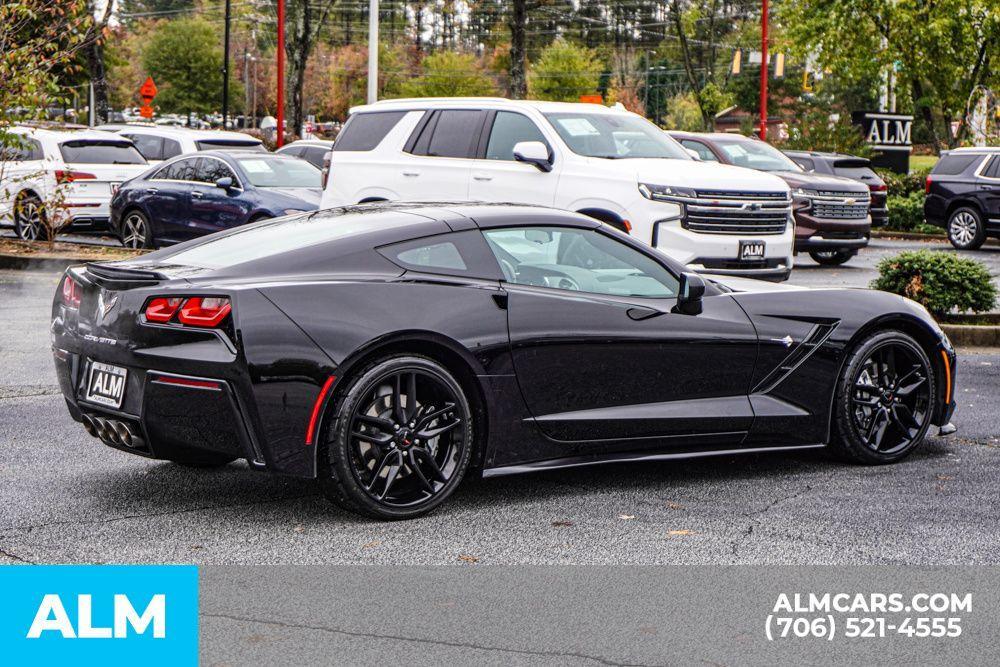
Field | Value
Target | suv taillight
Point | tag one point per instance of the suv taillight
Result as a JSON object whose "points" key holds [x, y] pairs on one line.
{"points": [[63, 176], [71, 292], [927, 185], [193, 311]]}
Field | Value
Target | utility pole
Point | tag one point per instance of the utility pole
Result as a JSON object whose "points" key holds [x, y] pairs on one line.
{"points": [[763, 72], [225, 68], [281, 73], [372, 51]]}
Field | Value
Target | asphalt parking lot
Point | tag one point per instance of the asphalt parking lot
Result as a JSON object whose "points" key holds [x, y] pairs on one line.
{"points": [[64, 497]]}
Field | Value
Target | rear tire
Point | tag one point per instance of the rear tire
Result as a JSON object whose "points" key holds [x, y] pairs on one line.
{"points": [[388, 456], [136, 231], [966, 230], [884, 400], [29, 219], [831, 257]]}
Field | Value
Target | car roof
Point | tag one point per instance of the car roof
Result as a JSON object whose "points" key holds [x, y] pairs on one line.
{"points": [[974, 149], [61, 135], [711, 135], [325, 143], [191, 133], [417, 103]]}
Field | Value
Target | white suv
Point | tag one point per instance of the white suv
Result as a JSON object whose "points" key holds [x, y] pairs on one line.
{"points": [[85, 167], [162, 142], [608, 163]]}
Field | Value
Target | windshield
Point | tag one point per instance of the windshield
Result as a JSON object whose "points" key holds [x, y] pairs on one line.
{"points": [[280, 172], [756, 155], [614, 136], [100, 152], [230, 144]]}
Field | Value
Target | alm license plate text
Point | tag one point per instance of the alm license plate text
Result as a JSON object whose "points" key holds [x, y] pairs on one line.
{"points": [[106, 385], [750, 250]]}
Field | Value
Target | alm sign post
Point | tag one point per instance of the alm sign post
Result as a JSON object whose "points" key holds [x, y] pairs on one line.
{"points": [[147, 91], [889, 135]]}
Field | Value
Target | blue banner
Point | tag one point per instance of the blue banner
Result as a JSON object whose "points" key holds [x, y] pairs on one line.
{"points": [[99, 614]]}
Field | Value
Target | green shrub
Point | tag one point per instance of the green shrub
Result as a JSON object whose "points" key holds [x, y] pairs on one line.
{"points": [[906, 214], [904, 185], [939, 280]]}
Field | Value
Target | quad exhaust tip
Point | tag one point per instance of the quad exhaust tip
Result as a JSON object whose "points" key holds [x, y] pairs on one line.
{"points": [[112, 431]]}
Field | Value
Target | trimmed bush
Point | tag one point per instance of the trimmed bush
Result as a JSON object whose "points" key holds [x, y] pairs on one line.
{"points": [[906, 214], [904, 185], [941, 281]]}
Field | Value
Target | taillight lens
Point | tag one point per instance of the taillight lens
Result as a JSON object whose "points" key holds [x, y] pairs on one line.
{"points": [[927, 185], [71, 292], [63, 176], [162, 309], [878, 187], [204, 311], [194, 311]]}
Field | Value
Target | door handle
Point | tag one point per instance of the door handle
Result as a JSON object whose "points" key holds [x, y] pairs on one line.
{"points": [[197, 195], [411, 174], [639, 313], [152, 191], [482, 177]]}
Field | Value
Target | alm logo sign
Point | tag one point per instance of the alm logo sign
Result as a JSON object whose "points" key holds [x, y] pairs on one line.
{"points": [[97, 614], [52, 617]]}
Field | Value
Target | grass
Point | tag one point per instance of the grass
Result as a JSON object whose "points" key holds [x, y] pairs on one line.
{"points": [[42, 249], [922, 161]]}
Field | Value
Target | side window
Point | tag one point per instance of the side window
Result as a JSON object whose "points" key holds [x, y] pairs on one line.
{"points": [[992, 170], [578, 260], [365, 131], [149, 147], [443, 255], [212, 170], [455, 254], [954, 164], [805, 163], [508, 130], [703, 151], [22, 150], [456, 131], [314, 156], [167, 173], [185, 170], [171, 149]]}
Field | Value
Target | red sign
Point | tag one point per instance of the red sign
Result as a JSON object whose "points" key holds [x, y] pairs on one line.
{"points": [[146, 111], [592, 99], [147, 91]]}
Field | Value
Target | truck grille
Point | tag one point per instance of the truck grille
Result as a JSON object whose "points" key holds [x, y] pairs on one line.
{"points": [[736, 212], [841, 205]]}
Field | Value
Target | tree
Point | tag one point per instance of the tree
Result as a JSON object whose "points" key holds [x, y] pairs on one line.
{"points": [[449, 74], [95, 56], [184, 57], [564, 72], [307, 19]]}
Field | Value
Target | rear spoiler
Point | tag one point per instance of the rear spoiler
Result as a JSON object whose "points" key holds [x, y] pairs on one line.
{"points": [[852, 162], [120, 277]]}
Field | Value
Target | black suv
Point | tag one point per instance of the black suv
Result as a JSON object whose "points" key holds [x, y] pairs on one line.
{"points": [[849, 166], [963, 195]]}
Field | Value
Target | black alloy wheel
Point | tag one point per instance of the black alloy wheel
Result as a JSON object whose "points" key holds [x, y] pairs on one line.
{"points": [[401, 442], [885, 399], [29, 219], [831, 257]]}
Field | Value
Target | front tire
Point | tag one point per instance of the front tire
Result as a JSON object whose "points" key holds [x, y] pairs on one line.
{"points": [[398, 439], [831, 257], [884, 400], [29, 219], [966, 230], [136, 231]]}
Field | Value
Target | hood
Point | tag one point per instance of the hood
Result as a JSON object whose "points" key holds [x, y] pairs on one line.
{"points": [[799, 179], [296, 196], [704, 175], [737, 284]]}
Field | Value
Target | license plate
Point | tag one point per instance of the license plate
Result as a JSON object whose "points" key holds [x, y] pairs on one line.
{"points": [[106, 385], [750, 250]]}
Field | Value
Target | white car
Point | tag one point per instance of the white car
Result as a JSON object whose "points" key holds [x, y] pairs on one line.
{"points": [[312, 151], [162, 142], [610, 164], [77, 170]]}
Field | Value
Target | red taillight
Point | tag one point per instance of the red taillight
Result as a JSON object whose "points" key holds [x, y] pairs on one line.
{"points": [[63, 176], [161, 309], [204, 311], [194, 311], [927, 185], [878, 187], [71, 292]]}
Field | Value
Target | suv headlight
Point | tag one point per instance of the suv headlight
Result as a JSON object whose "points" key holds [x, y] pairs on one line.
{"points": [[650, 191]]}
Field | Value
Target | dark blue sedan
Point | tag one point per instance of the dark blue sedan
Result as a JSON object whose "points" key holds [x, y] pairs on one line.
{"points": [[194, 195]]}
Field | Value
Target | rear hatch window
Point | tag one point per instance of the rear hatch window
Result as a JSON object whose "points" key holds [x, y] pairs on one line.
{"points": [[861, 173], [100, 151], [230, 144]]}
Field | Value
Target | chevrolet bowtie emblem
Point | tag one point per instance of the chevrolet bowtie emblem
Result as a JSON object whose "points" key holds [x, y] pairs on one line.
{"points": [[786, 341]]}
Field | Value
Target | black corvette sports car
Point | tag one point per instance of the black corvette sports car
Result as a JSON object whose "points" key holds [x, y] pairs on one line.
{"points": [[389, 350]]}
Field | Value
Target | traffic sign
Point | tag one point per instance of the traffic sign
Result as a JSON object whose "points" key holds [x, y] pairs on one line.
{"points": [[148, 90], [146, 111]]}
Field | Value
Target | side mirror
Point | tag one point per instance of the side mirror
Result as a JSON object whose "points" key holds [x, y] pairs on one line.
{"points": [[226, 183], [327, 159], [694, 154], [692, 289], [533, 152]]}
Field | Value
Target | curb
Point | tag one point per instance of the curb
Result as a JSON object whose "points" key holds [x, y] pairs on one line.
{"points": [[972, 335]]}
